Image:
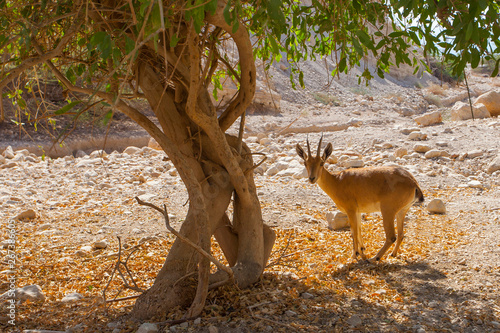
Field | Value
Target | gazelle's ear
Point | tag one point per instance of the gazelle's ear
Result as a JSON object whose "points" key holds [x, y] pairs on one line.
{"points": [[300, 152], [328, 151]]}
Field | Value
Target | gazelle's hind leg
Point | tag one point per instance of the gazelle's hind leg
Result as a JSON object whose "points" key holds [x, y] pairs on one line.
{"points": [[355, 224], [390, 235], [400, 220]]}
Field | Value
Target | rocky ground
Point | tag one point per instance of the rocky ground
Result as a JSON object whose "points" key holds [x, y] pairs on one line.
{"points": [[447, 277]]}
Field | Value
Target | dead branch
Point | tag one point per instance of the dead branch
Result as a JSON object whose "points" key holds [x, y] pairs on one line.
{"points": [[117, 268], [163, 211]]}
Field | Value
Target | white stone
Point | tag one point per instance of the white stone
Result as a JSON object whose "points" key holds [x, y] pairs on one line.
{"points": [[494, 165], [148, 328], [132, 150], [475, 184], [72, 297], [88, 162], [272, 171], [433, 153], [32, 293], [8, 152], [429, 119], [417, 136], [98, 154], [491, 101], [400, 152], [337, 220], [421, 148], [474, 153], [102, 244], [461, 111], [353, 163], [436, 206]]}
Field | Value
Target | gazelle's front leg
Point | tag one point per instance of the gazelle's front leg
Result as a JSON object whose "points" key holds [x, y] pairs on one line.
{"points": [[355, 223]]}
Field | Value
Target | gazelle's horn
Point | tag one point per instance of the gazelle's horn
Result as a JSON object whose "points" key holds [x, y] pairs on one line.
{"points": [[319, 145], [308, 146]]}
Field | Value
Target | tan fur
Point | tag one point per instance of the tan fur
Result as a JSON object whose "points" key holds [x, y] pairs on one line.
{"points": [[389, 190]]}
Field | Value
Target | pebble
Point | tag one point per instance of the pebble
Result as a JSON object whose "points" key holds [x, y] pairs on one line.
{"points": [[8, 153], [417, 136]]}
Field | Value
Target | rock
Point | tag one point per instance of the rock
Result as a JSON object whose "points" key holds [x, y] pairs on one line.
{"points": [[491, 101], [8, 152], [400, 152], [353, 163], [290, 313], [132, 150], [474, 153], [337, 220], [98, 154], [26, 215], [433, 153], [32, 293], [72, 297], [148, 328], [2, 159], [100, 244], [272, 171], [88, 162], [407, 131], [9, 165], [421, 148], [417, 136], [461, 111], [436, 206], [475, 184], [213, 329], [80, 154], [494, 165], [307, 295], [152, 143], [429, 119], [354, 321]]}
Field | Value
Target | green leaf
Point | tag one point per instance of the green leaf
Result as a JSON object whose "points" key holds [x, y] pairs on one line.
{"points": [[211, 6], [67, 107], [22, 103], [129, 44], [174, 40], [396, 34], [276, 14], [365, 39], [342, 64], [475, 58]]}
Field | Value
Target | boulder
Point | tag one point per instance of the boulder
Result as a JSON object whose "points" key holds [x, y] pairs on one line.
{"points": [[429, 119], [8, 152], [436, 206], [461, 111], [417, 136], [420, 148], [433, 153], [28, 214], [491, 101], [337, 220], [32, 292], [132, 150], [494, 165]]}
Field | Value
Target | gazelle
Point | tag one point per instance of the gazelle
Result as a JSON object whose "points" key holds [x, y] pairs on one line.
{"points": [[387, 189]]}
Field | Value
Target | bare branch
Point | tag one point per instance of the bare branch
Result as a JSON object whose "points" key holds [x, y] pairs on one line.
{"points": [[164, 212]]}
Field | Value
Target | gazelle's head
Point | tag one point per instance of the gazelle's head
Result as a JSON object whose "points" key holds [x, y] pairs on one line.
{"points": [[314, 165]]}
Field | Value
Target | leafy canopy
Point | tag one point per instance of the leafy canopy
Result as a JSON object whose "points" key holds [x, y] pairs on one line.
{"points": [[64, 33]]}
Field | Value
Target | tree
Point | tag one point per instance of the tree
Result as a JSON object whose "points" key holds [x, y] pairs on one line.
{"points": [[176, 54]]}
